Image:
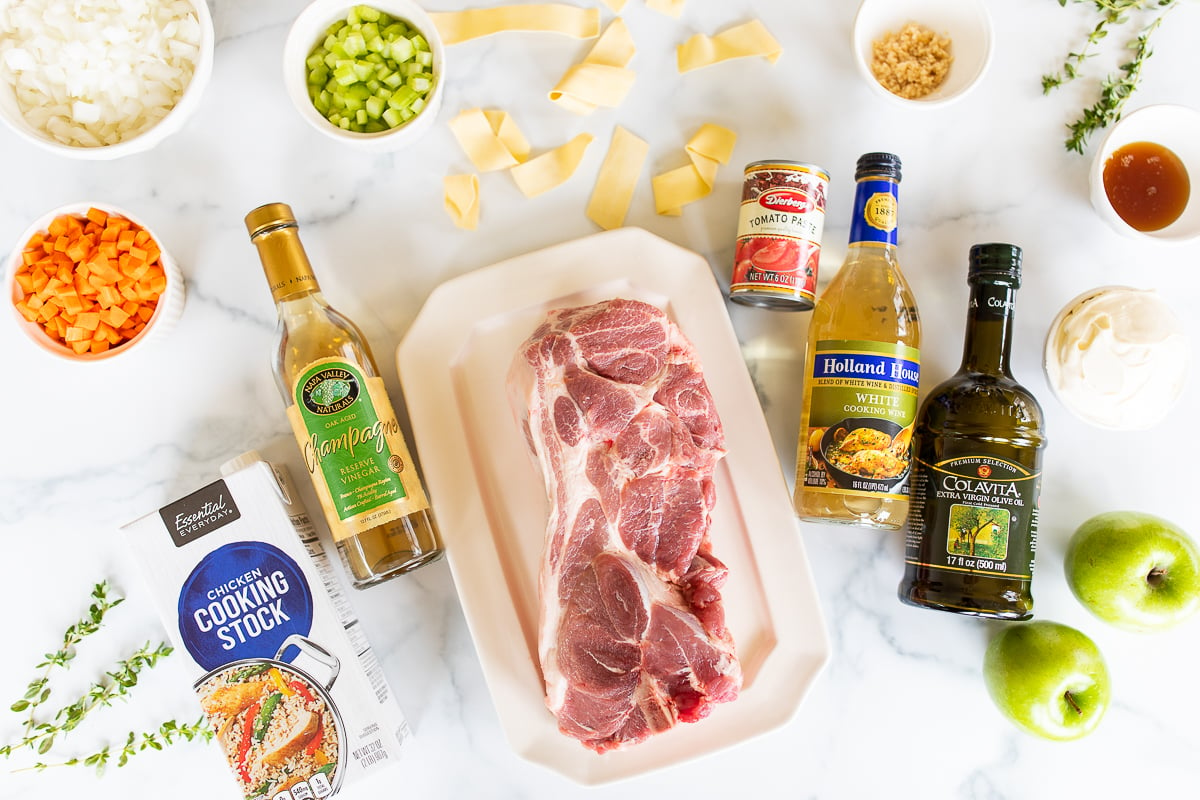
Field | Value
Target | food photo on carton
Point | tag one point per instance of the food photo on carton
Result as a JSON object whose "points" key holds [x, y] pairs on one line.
{"points": [[282, 669]]}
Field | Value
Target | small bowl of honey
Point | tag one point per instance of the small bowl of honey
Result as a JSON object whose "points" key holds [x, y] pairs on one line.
{"points": [[1142, 175]]}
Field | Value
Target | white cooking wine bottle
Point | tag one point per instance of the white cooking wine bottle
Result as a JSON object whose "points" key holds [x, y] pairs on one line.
{"points": [[350, 439]]}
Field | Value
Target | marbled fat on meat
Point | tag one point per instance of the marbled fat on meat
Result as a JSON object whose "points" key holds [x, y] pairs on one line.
{"points": [[632, 634]]}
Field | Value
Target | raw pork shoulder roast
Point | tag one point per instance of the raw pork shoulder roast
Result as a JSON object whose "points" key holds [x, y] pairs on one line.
{"points": [[632, 635]]}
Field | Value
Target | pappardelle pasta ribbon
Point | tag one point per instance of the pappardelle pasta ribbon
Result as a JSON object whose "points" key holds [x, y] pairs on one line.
{"points": [[602, 78], [711, 146], [568, 20], [749, 39]]}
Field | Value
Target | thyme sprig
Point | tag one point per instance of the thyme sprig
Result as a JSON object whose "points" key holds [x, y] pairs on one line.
{"points": [[168, 733], [117, 683], [1116, 88], [38, 690]]}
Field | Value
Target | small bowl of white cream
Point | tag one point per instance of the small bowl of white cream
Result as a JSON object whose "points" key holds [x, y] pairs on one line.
{"points": [[1117, 357]]}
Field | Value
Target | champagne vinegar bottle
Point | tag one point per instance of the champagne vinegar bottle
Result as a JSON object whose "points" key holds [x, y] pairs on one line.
{"points": [[973, 527], [863, 366], [339, 410]]}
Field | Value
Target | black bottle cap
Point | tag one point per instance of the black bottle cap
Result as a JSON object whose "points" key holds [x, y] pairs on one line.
{"points": [[995, 262], [878, 165]]}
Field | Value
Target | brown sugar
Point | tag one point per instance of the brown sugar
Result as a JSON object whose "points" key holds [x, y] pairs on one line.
{"points": [[912, 62]]}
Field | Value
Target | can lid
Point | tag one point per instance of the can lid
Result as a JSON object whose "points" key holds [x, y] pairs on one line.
{"points": [[271, 215], [878, 165], [995, 262]]}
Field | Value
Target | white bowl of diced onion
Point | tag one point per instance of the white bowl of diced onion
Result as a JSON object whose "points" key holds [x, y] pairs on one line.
{"points": [[99, 80], [392, 114]]}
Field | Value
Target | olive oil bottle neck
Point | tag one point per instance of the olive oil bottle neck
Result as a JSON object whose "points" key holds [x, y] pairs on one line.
{"points": [[987, 347]]}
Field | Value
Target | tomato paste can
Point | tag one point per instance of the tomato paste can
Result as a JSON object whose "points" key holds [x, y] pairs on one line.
{"points": [[779, 235]]}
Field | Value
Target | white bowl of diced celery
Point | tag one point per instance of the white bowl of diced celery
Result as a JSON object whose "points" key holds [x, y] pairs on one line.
{"points": [[369, 75]]}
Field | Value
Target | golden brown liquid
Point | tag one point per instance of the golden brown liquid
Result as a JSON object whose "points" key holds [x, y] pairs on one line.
{"points": [[1147, 184], [867, 300]]}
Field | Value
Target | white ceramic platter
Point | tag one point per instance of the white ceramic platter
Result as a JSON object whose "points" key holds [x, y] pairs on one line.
{"points": [[490, 501]]}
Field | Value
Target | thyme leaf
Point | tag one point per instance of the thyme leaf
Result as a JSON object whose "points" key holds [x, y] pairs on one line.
{"points": [[117, 683], [1118, 87]]}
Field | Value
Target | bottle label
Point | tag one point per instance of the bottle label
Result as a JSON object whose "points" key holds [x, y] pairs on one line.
{"points": [[861, 410], [874, 218], [353, 448], [976, 514], [991, 301]]}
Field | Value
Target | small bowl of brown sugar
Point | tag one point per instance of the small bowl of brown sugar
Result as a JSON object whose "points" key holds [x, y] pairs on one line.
{"points": [[923, 52]]}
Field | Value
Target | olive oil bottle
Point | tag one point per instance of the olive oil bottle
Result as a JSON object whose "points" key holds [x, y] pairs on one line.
{"points": [[351, 441], [972, 530], [863, 367]]}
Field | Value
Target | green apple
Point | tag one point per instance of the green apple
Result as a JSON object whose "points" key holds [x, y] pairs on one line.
{"points": [[1134, 570], [1048, 678]]}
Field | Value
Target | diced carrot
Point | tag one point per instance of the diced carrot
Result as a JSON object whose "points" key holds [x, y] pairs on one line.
{"points": [[91, 280], [28, 313], [114, 316]]}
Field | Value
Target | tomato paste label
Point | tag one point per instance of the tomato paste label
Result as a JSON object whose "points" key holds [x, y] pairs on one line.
{"points": [[859, 430], [349, 435], [779, 231], [978, 514]]}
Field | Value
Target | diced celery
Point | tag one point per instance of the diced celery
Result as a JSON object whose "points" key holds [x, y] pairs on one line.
{"points": [[355, 45], [402, 97], [372, 70], [401, 50]]}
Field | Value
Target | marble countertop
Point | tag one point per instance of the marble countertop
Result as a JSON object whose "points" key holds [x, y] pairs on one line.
{"points": [[901, 708]]}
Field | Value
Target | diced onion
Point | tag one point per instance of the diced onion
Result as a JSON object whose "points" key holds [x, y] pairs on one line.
{"points": [[91, 73]]}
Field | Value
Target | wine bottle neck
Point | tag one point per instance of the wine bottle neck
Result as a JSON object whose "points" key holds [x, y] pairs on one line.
{"points": [[988, 343], [285, 263], [873, 223]]}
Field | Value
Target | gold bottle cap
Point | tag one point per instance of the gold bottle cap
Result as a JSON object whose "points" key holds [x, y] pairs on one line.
{"points": [[271, 215]]}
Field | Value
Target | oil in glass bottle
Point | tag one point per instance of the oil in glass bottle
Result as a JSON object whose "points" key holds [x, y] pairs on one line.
{"points": [[972, 530]]}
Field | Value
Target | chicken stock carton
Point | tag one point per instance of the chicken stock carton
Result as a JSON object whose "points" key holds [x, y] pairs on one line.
{"points": [[282, 668]]}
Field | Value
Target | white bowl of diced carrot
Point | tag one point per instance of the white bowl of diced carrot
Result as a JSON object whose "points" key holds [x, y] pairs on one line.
{"points": [[90, 281]]}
